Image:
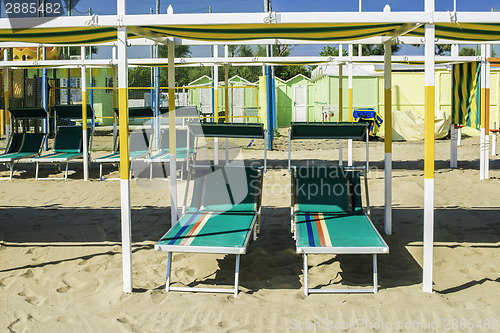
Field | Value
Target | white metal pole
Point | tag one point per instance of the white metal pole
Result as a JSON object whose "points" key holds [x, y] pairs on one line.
{"points": [[124, 150], [453, 147], [216, 102], [45, 101], [487, 114], [429, 151], [115, 101], [350, 102], [388, 138], [494, 141], [171, 131], [482, 140], [84, 118], [6, 97], [341, 157]]}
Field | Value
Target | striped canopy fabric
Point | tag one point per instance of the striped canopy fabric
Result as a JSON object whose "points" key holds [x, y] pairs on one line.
{"points": [[304, 31], [241, 32], [483, 32], [466, 94]]}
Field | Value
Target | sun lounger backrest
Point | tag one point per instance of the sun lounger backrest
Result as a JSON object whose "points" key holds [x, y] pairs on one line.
{"points": [[139, 140], [330, 130], [355, 191], [228, 130], [73, 111], [69, 139], [25, 143], [180, 139], [219, 188], [28, 113], [137, 112], [321, 190]]}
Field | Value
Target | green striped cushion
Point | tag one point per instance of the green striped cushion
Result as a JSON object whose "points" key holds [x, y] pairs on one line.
{"points": [[336, 230], [208, 229]]}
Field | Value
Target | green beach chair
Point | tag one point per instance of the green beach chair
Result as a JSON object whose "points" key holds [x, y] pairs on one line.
{"points": [[223, 215], [21, 145], [184, 151], [328, 218], [139, 147], [68, 145]]}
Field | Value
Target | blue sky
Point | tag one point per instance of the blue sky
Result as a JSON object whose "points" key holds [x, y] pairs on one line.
{"points": [[197, 6], [228, 6]]}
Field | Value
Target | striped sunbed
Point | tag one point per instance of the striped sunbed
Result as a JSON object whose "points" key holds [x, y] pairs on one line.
{"points": [[21, 145], [223, 215], [328, 218], [68, 145]]}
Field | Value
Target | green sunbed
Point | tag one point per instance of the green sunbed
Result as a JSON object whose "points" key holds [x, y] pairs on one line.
{"points": [[184, 151], [139, 147], [68, 145], [21, 145], [224, 213], [331, 130], [231, 130], [328, 218]]}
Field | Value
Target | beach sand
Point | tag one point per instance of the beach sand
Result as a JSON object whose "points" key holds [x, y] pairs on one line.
{"points": [[61, 269]]}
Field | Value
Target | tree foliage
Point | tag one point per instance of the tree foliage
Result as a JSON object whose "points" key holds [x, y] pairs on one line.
{"points": [[141, 76], [367, 50]]}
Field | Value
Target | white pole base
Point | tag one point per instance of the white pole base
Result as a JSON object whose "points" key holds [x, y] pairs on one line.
{"points": [[126, 235], [388, 194], [428, 234]]}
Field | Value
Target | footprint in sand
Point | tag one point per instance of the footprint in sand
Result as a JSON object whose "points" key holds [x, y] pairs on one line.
{"points": [[7, 282], [31, 298], [29, 274], [63, 290]]}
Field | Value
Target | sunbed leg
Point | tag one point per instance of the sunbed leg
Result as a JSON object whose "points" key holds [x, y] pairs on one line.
{"points": [[150, 171], [36, 172], [306, 288], [169, 268], [236, 275], [375, 279], [100, 172], [66, 174], [11, 170]]}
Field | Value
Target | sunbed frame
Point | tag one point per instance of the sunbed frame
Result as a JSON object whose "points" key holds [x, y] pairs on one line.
{"points": [[244, 225], [185, 152], [16, 149], [332, 130], [231, 130], [69, 112], [134, 154], [333, 224], [62, 155]]}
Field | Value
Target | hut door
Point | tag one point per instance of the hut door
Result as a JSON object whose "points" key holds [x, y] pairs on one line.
{"points": [[299, 103]]}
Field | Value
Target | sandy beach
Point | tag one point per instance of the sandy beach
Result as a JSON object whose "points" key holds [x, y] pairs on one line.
{"points": [[61, 269]]}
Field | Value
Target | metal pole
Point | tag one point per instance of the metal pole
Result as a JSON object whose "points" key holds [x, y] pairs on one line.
{"points": [[6, 97], [84, 118], [171, 127], [124, 151], [388, 138], [341, 157], [45, 102], [429, 151], [350, 102]]}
